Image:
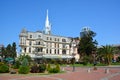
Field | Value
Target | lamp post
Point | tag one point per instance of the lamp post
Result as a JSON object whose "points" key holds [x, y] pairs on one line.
{"points": [[73, 59], [73, 45], [94, 61]]}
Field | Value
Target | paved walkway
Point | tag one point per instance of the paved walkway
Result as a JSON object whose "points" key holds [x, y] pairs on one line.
{"points": [[78, 74]]}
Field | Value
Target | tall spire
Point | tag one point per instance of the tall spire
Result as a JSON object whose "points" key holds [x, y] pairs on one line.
{"points": [[47, 25]]}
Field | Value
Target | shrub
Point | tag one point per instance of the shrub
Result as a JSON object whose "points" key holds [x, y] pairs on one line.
{"points": [[1, 63], [34, 69], [58, 67], [85, 63], [25, 62], [16, 65], [86, 59], [48, 67], [54, 69], [24, 70], [4, 68], [42, 68], [53, 61]]}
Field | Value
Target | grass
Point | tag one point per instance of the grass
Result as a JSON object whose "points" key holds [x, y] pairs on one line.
{"points": [[115, 63], [89, 65]]}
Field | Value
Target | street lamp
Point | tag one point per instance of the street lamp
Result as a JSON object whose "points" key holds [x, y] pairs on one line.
{"points": [[94, 61], [73, 59], [73, 45]]}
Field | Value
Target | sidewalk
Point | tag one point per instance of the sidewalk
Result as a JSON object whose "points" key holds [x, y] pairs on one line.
{"points": [[78, 74]]}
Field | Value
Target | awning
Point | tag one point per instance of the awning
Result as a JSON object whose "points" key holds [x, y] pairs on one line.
{"points": [[9, 59], [55, 56]]}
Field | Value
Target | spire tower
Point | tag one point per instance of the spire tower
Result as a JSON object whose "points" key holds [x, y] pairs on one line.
{"points": [[47, 25]]}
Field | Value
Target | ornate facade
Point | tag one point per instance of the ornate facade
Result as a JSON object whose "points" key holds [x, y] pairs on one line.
{"points": [[43, 44]]}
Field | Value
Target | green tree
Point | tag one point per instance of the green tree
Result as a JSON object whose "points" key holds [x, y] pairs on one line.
{"points": [[3, 52], [107, 52], [87, 45], [14, 53], [25, 62], [8, 51], [21, 57]]}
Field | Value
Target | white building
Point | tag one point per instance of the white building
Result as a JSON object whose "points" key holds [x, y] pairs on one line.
{"points": [[44, 44]]}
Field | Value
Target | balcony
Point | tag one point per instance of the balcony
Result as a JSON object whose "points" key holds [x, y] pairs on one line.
{"points": [[22, 44], [39, 45], [39, 53]]}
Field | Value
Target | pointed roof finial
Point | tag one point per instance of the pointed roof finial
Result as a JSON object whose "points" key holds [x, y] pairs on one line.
{"points": [[47, 25], [47, 16], [47, 11]]}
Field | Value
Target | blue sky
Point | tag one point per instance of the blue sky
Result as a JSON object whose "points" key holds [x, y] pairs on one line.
{"points": [[68, 17]]}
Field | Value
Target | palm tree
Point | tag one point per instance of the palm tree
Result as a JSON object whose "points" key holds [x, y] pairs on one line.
{"points": [[107, 52]]}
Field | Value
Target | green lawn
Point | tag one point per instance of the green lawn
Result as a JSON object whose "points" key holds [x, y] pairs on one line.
{"points": [[90, 65]]}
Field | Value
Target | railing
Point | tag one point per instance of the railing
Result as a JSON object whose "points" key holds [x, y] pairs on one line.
{"points": [[37, 45], [39, 53]]}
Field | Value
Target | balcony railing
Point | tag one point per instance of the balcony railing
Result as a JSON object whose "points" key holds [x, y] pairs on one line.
{"points": [[39, 45], [39, 53]]}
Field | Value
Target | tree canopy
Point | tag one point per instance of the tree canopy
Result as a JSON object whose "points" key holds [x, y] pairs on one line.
{"points": [[107, 52], [9, 51], [87, 44]]}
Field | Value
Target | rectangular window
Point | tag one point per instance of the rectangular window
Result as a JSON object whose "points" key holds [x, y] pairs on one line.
{"points": [[47, 38], [25, 50], [46, 50], [58, 51], [55, 51], [40, 49], [55, 45], [30, 43], [30, 36], [64, 46], [63, 40], [29, 50], [50, 51], [58, 45], [55, 39], [51, 39], [58, 40]]}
